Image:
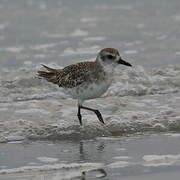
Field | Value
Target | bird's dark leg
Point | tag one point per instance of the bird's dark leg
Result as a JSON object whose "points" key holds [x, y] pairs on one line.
{"points": [[79, 115], [98, 114]]}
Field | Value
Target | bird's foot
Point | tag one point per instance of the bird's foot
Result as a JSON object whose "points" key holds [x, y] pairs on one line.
{"points": [[98, 114]]}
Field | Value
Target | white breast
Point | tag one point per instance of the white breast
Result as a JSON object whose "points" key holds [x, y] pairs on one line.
{"points": [[89, 91]]}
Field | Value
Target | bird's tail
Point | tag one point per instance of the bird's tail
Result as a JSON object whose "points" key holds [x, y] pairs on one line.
{"points": [[50, 75]]}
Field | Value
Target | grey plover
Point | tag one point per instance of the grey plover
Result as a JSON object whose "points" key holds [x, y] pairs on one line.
{"points": [[86, 80]]}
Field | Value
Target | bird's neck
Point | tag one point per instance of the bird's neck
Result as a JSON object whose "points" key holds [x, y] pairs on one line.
{"points": [[108, 68]]}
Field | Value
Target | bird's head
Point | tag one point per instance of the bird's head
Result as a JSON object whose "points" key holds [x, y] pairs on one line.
{"points": [[110, 57]]}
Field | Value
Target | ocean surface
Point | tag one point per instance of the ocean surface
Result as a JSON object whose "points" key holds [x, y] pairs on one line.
{"points": [[40, 136]]}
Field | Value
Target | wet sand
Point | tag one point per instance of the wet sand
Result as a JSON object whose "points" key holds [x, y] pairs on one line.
{"points": [[135, 157]]}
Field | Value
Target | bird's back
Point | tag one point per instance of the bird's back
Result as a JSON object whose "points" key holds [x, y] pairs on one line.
{"points": [[72, 75]]}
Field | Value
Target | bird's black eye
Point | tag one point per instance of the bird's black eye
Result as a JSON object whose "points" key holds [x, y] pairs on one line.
{"points": [[110, 57]]}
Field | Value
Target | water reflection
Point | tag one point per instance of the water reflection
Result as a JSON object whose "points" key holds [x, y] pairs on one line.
{"points": [[83, 152], [100, 173], [101, 146]]}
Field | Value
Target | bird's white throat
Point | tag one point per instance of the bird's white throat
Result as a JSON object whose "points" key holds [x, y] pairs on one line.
{"points": [[108, 68]]}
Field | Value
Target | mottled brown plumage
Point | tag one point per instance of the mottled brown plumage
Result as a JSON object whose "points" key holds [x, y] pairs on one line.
{"points": [[73, 75], [86, 80]]}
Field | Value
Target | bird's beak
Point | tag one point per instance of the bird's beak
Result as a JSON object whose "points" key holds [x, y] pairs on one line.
{"points": [[121, 61]]}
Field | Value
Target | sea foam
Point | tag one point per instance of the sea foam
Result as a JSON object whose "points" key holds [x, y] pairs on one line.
{"points": [[138, 100]]}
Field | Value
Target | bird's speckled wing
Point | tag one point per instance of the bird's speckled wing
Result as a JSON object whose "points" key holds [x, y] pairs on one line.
{"points": [[76, 74]]}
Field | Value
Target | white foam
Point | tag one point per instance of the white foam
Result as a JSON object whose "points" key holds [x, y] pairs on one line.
{"points": [[79, 32], [97, 38], [15, 138], [130, 52], [112, 7], [43, 46], [42, 6], [48, 159], [120, 149], [77, 166], [122, 157], [4, 25], [138, 100], [161, 160], [162, 37], [159, 127], [173, 134], [3, 109], [88, 19], [78, 51], [118, 164], [176, 17], [15, 49], [32, 111]]}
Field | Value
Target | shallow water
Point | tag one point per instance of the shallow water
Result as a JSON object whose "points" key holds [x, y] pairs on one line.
{"points": [[142, 99], [139, 157], [138, 101], [65, 32]]}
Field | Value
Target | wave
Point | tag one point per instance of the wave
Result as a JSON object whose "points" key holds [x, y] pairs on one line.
{"points": [[139, 100]]}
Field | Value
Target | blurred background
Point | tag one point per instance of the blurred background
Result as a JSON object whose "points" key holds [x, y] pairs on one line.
{"points": [[142, 100], [64, 31]]}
